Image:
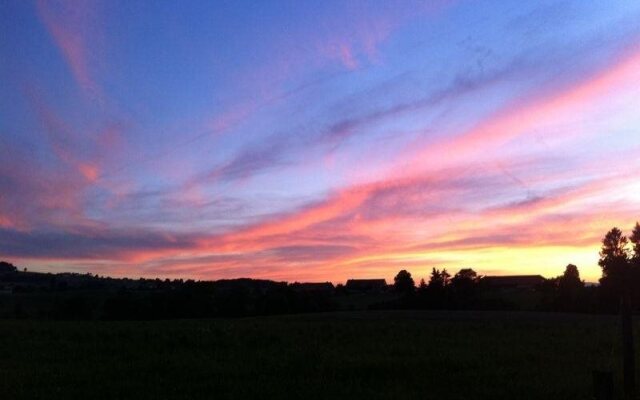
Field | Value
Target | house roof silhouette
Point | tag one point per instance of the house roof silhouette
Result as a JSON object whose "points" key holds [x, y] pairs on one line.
{"points": [[513, 281], [366, 284]]}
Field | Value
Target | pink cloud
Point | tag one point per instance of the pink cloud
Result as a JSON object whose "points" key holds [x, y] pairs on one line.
{"points": [[70, 25], [372, 220], [6, 222], [61, 137], [89, 171], [518, 119], [504, 126], [342, 52]]}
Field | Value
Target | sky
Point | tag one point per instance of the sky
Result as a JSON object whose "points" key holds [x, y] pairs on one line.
{"points": [[317, 140]]}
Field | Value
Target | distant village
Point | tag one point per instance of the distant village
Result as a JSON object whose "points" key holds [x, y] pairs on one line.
{"points": [[13, 279], [37, 295]]}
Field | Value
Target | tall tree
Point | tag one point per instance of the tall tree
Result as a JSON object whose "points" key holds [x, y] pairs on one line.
{"points": [[635, 263], [439, 279], [616, 273], [569, 288], [635, 241], [403, 282], [571, 275], [437, 289], [435, 280], [465, 285], [614, 257], [446, 277]]}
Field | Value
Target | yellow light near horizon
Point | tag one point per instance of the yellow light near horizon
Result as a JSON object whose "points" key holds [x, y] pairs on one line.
{"points": [[548, 261]]}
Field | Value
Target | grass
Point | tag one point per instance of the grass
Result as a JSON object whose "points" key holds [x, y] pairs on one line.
{"points": [[367, 355]]}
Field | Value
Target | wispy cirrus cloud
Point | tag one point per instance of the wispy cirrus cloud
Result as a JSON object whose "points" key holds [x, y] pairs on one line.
{"points": [[72, 27], [456, 138], [84, 243], [49, 178], [284, 149]]}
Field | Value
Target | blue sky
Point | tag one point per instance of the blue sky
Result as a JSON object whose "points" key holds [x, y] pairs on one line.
{"points": [[316, 140]]}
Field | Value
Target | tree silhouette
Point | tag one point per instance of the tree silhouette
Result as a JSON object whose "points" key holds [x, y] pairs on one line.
{"points": [[403, 282], [6, 267], [435, 280], [422, 298], [571, 273], [464, 285], [437, 288], [617, 275], [569, 288], [464, 276], [635, 241], [614, 258], [439, 279], [570, 278], [635, 263]]}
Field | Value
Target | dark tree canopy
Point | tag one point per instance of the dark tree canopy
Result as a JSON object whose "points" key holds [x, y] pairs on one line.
{"points": [[635, 242], [439, 279], [614, 258], [614, 246], [403, 282], [7, 267], [87, 296], [465, 275], [464, 285], [570, 288], [571, 276]]}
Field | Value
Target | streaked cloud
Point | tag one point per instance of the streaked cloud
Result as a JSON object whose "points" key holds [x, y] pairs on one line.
{"points": [[417, 135]]}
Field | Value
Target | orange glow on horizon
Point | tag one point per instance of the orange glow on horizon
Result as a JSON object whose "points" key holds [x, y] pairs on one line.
{"points": [[357, 143]]}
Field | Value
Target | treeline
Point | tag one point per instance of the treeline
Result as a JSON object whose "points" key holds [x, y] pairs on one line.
{"points": [[466, 290], [619, 285], [85, 296], [26, 294]]}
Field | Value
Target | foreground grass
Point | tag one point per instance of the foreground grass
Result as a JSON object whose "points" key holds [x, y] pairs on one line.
{"points": [[375, 355]]}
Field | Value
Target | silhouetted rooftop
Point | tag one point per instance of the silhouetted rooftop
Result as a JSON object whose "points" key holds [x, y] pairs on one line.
{"points": [[366, 284], [514, 280], [313, 286]]}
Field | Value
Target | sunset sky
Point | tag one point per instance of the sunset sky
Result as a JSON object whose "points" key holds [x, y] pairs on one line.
{"points": [[316, 140]]}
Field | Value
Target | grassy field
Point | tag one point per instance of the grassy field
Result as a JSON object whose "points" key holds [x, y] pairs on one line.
{"points": [[368, 355]]}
